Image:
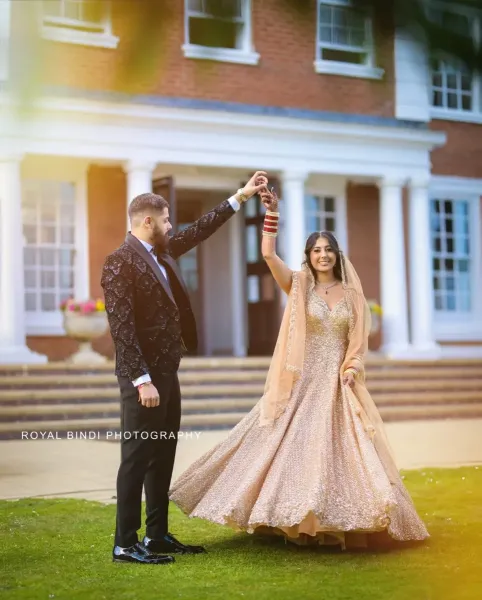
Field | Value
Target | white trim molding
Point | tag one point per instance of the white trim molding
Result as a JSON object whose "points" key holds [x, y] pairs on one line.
{"points": [[348, 70], [228, 55], [83, 38], [194, 136], [411, 78], [451, 325], [63, 28]]}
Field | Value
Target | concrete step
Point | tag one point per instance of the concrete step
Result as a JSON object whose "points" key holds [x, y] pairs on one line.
{"points": [[66, 394], [442, 390], [90, 410], [220, 420], [82, 380], [374, 361], [191, 363], [104, 379]]}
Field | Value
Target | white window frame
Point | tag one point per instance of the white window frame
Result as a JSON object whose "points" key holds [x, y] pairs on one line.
{"points": [[339, 214], [73, 31], [50, 323], [367, 70], [452, 325], [455, 114], [243, 55]]}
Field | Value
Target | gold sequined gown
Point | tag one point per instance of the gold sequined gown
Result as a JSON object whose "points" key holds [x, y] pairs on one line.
{"points": [[314, 476]]}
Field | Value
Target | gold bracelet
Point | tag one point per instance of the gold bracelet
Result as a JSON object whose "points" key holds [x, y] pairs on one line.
{"points": [[351, 370]]}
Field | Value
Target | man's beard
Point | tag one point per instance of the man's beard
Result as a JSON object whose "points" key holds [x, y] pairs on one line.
{"points": [[160, 240]]}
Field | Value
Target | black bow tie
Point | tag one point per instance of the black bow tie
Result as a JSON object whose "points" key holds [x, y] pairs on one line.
{"points": [[159, 254]]}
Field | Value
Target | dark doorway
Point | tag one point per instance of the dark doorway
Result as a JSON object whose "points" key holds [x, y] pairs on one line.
{"points": [[262, 291]]}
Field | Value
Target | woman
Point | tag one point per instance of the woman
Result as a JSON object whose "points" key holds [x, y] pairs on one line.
{"points": [[311, 460]]}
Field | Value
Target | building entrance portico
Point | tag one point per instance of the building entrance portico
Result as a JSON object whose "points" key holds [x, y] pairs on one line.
{"points": [[207, 157]]}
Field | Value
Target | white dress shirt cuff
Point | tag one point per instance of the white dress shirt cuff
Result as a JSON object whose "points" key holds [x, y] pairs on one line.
{"points": [[234, 203], [142, 379]]}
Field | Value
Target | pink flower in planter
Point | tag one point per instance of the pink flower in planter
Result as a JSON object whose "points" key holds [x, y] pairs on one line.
{"points": [[88, 307]]}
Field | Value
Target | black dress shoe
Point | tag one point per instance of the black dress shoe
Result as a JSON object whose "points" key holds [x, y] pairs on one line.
{"points": [[138, 553], [170, 545]]}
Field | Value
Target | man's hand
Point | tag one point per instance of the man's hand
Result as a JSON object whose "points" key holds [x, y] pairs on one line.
{"points": [[269, 199], [257, 182], [148, 395]]}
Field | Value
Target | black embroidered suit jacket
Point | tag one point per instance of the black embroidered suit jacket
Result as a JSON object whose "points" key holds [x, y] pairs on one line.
{"points": [[151, 322]]}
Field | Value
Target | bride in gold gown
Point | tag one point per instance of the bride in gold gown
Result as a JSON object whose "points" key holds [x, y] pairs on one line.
{"points": [[311, 461]]}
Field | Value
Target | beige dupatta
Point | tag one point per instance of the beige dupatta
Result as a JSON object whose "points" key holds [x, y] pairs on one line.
{"points": [[288, 358]]}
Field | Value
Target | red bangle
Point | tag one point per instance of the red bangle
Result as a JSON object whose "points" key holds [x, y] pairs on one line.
{"points": [[270, 224]]}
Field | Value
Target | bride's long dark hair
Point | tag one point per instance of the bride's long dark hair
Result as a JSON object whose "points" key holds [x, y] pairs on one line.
{"points": [[311, 243]]}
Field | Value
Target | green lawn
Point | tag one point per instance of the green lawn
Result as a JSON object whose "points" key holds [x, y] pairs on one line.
{"points": [[62, 549]]}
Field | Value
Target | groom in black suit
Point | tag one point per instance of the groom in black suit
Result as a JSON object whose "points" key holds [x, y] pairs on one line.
{"points": [[152, 325]]}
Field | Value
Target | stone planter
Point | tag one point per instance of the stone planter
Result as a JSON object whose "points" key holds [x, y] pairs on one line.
{"points": [[84, 329]]}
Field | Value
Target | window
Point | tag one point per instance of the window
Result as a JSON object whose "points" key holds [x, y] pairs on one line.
{"points": [[320, 214], [451, 255], [219, 30], [48, 214], [345, 40], [79, 22], [456, 91]]}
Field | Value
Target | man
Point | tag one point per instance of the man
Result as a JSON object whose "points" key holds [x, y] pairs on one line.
{"points": [[152, 325]]}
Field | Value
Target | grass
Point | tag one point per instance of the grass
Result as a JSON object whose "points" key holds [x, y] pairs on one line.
{"points": [[62, 549]]}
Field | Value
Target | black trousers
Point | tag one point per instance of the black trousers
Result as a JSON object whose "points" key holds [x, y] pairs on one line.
{"points": [[148, 449]]}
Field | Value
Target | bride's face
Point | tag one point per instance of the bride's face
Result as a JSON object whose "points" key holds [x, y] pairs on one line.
{"points": [[322, 256]]}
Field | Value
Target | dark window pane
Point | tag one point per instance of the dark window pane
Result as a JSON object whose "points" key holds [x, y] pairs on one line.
{"points": [[466, 102], [452, 101], [330, 224], [330, 204], [450, 245], [212, 33], [449, 264], [357, 58]]}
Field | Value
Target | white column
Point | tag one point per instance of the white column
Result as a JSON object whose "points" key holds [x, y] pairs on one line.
{"points": [[238, 302], [421, 290], [393, 270], [294, 234], [139, 179], [13, 347], [5, 13]]}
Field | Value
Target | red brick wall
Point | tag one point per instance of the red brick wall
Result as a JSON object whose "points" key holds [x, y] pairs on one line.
{"points": [[461, 156], [284, 77], [364, 240], [107, 190]]}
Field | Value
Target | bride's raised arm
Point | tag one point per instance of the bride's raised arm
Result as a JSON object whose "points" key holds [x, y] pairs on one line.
{"points": [[281, 272]]}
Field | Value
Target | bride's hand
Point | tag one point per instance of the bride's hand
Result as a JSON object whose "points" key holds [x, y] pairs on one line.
{"points": [[269, 199], [349, 379]]}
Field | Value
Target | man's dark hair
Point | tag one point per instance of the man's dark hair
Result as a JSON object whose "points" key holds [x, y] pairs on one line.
{"points": [[148, 202]]}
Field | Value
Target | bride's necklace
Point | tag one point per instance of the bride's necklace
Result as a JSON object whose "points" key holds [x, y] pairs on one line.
{"points": [[326, 287]]}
